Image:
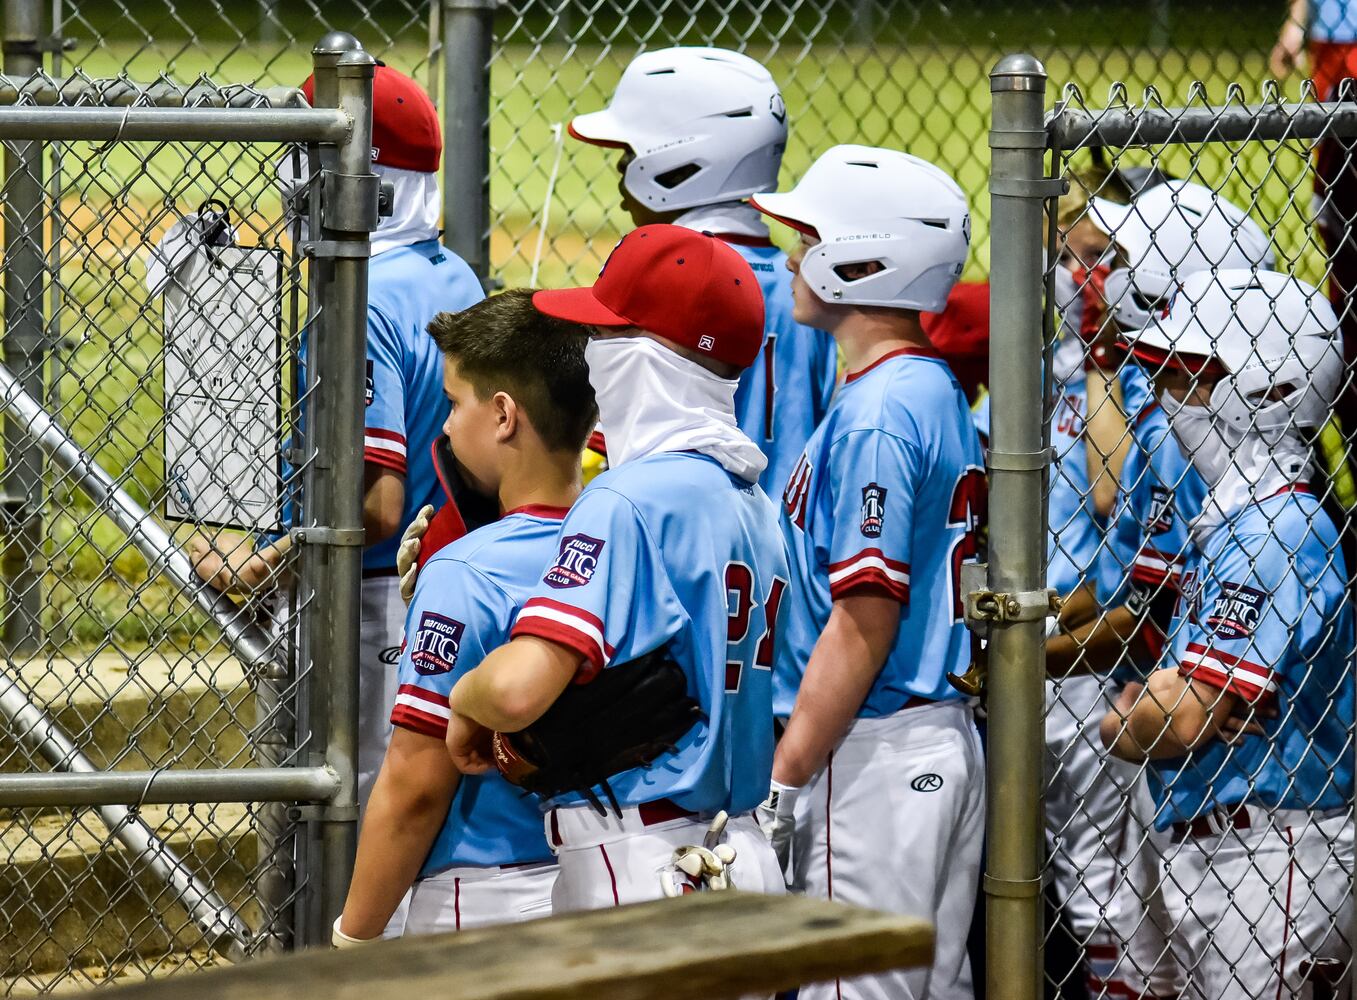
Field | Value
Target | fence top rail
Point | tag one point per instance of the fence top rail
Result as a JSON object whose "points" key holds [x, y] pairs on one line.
{"points": [[1071, 128], [175, 124], [44, 90]]}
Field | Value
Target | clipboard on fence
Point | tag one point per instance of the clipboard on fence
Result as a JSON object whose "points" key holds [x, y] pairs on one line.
{"points": [[223, 313]]}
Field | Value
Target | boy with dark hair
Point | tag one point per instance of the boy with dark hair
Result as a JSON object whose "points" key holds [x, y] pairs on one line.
{"points": [[473, 847], [673, 553]]}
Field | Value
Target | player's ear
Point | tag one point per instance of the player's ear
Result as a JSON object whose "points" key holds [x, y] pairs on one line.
{"points": [[507, 417]]}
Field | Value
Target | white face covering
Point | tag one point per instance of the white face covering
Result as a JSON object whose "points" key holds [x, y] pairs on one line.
{"points": [[729, 218], [651, 400], [415, 204], [1237, 468]]}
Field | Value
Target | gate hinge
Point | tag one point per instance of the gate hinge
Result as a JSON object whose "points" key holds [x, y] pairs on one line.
{"points": [[1011, 888], [327, 536], [322, 813], [38, 46], [1029, 187], [337, 248], [987, 607]]}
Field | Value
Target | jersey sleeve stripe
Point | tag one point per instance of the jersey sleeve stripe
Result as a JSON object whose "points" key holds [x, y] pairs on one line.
{"points": [[570, 627], [377, 440], [384, 458], [1155, 567], [869, 580], [1227, 672], [394, 439], [871, 557], [421, 711]]}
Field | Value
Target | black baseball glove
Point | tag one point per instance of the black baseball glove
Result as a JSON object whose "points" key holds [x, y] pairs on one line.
{"points": [[625, 717]]}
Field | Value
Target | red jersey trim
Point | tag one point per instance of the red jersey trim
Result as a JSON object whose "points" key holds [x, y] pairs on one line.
{"points": [[540, 510], [912, 352], [568, 626], [869, 581], [738, 239], [870, 571], [1229, 673], [420, 711], [386, 459]]}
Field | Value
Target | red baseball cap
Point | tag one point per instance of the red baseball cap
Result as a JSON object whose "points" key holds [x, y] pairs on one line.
{"points": [[404, 122], [686, 286]]}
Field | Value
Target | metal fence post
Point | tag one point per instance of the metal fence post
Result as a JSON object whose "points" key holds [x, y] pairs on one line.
{"points": [[25, 349], [333, 535], [468, 34], [1017, 465]]}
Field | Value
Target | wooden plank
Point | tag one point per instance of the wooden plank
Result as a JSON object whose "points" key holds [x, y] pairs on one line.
{"points": [[704, 946]]}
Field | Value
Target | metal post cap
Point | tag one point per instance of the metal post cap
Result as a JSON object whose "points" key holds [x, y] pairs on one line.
{"points": [[356, 63], [1019, 71], [334, 43]]}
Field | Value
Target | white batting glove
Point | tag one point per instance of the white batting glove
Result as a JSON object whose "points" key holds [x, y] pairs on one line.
{"points": [[407, 555], [706, 867], [776, 817], [339, 940]]}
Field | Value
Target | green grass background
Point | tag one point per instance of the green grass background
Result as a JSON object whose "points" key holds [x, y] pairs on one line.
{"points": [[911, 76]]}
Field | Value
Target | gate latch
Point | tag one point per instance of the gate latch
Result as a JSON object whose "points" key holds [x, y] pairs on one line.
{"points": [[985, 607], [990, 608]]}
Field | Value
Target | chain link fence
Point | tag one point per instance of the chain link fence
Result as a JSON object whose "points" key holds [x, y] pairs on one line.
{"points": [[203, 373], [912, 77], [1198, 713], [139, 677]]}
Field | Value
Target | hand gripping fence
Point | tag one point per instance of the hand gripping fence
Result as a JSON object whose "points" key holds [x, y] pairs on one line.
{"points": [[300, 671], [1186, 724]]}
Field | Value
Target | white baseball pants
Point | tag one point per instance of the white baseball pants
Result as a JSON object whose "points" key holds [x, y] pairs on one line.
{"points": [[606, 861], [1104, 856], [464, 898], [381, 628], [895, 822], [1251, 908], [382, 618]]}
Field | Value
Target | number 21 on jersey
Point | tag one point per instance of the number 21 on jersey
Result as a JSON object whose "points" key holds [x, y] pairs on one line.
{"points": [[746, 648]]}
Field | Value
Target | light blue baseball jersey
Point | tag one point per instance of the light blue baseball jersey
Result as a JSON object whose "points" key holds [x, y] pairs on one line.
{"points": [[1075, 553], [786, 392], [1149, 539], [1265, 614], [406, 407], [1075, 543], [1333, 20], [886, 499], [466, 598], [671, 551]]}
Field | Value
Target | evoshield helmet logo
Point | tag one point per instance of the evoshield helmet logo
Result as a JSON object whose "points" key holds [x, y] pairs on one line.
{"points": [[777, 108]]}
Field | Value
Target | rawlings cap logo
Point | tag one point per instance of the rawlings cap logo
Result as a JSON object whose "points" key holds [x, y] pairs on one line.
{"points": [[873, 509], [437, 642], [706, 342], [576, 564]]}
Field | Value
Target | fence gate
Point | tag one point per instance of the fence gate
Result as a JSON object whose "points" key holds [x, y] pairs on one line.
{"points": [[176, 763], [1180, 413]]}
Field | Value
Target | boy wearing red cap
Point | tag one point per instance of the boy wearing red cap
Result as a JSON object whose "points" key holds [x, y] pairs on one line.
{"points": [[674, 548], [411, 278]]}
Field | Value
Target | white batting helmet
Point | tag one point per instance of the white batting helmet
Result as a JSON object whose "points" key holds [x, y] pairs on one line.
{"points": [[1168, 232], [1275, 337], [704, 125], [878, 205]]}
